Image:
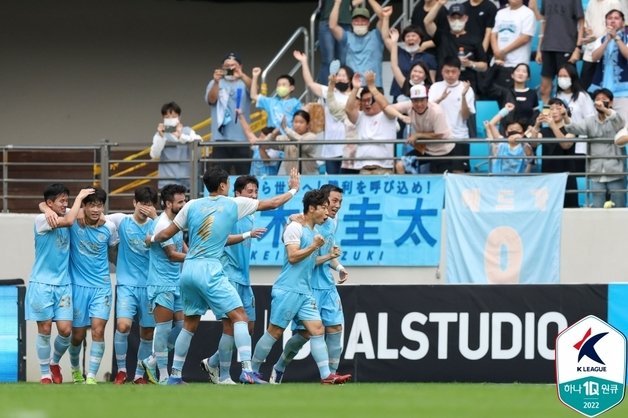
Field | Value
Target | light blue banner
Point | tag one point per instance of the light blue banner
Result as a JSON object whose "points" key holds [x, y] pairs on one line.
{"points": [[504, 230], [384, 220]]}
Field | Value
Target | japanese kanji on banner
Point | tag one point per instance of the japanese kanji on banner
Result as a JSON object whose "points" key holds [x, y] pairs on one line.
{"points": [[504, 230], [384, 220]]}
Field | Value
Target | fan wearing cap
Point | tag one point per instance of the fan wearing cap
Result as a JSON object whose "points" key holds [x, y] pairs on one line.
{"points": [[228, 90], [455, 41], [365, 48]]}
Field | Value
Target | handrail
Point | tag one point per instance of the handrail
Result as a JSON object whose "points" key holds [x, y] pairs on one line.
{"points": [[315, 14], [282, 52]]}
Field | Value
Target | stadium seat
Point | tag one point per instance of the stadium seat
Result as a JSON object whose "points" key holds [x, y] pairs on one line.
{"points": [[484, 110], [535, 75]]}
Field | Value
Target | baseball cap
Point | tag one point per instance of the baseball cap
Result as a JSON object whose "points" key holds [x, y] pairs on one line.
{"points": [[457, 9], [233, 56], [418, 92], [361, 11]]}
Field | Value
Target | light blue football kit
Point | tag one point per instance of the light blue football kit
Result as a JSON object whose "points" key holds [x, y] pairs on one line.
{"points": [[323, 283]]}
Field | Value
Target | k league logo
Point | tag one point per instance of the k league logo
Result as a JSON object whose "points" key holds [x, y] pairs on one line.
{"points": [[591, 366]]}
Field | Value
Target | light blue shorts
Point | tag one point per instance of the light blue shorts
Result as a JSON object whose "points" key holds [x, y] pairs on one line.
{"points": [[132, 301], [47, 301], [329, 306], [286, 306], [248, 300], [204, 286], [168, 297], [90, 302]]}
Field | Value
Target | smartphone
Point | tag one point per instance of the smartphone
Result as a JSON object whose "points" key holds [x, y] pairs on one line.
{"points": [[229, 71], [169, 129], [546, 110]]}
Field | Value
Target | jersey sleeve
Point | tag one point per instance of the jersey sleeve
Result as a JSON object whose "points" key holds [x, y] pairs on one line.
{"points": [[113, 238], [41, 225], [181, 220], [116, 218], [292, 234], [161, 224], [246, 206]]}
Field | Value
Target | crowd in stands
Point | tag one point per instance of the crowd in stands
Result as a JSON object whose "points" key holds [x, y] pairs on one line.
{"points": [[452, 55]]}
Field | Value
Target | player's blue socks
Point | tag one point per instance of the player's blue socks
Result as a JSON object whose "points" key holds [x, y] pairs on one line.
{"points": [[43, 354], [144, 350], [95, 357], [75, 354], [61, 345], [334, 347], [320, 354], [181, 348], [242, 340], [161, 343], [291, 349], [262, 348], [121, 344], [174, 333], [224, 355]]}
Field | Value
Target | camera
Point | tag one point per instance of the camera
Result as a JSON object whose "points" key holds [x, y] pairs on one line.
{"points": [[229, 71], [170, 129]]}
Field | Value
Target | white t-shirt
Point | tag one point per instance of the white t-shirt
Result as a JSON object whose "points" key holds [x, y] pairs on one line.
{"points": [[375, 127], [334, 130], [452, 105], [509, 25]]}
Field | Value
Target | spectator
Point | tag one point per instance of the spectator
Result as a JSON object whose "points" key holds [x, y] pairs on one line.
{"points": [[300, 131], [334, 128], [226, 92], [606, 163], [612, 53], [511, 39], [279, 106], [481, 20], [418, 16], [365, 48], [457, 99], [595, 27], [554, 122], [566, 20], [330, 49], [337, 110], [265, 159], [371, 124], [508, 157], [455, 41], [171, 147], [407, 56]]}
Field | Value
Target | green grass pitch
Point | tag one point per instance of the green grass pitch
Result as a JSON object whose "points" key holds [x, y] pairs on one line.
{"points": [[389, 400]]}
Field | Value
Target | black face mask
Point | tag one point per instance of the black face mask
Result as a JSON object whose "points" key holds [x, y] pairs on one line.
{"points": [[342, 86]]}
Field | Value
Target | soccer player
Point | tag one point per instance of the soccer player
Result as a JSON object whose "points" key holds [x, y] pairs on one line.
{"points": [[163, 285], [91, 283], [292, 297], [204, 284], [131, 273], [235, 262], [49, 292], [324, 291]]}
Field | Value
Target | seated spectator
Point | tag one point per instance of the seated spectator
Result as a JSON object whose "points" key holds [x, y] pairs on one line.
{"points": [[293, 154], [514, 156], [612, 53], [406, 56], [334, 128], [481, 20], [328, 47], [279, 106], [565, 19], [371, 123], [606, 171], [171, 147], [455, 41], [365, 48], [227, 91], [511, 39], [265, 160]]}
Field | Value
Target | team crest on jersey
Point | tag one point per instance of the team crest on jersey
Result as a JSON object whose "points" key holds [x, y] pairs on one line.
{"points": [[62, 240]]}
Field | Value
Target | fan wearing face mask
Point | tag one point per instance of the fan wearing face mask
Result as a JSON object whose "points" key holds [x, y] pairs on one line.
{"points": [[365, 48], [171, 147], [281, 105], [456, 41]]}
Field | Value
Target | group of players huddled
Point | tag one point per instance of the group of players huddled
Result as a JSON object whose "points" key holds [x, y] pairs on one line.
{"points": [[167, 284]]}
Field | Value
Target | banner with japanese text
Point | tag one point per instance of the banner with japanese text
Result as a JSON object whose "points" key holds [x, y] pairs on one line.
{"points": [[504, 229], [384, 220]]}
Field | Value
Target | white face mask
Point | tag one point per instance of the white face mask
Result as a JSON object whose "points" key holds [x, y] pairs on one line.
{"points": [[564, 83], [171, 121], [230, 77], [360, 30], [457, 25], [412, 48]]}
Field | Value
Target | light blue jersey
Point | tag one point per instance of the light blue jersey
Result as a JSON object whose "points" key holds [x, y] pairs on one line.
{"points": [[162, 271], [278, 108], [322, 277], [133, 255], [209, 221], [235, 259], [297, 277], [52, 254], [89, 263]]}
